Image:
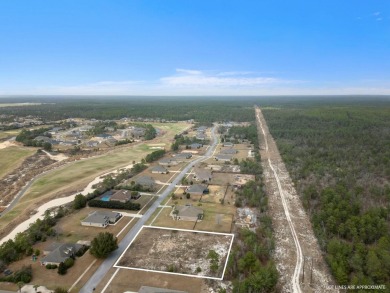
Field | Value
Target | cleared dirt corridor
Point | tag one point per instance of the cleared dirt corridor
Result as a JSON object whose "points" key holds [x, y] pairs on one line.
{"points": [[297, 255]]}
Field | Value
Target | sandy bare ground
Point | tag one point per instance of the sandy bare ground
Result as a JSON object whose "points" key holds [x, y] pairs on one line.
{"points": [[298, 257], [6, 144], [59, 157], [183, 251]]}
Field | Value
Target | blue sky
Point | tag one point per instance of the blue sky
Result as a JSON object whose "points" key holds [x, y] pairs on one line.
{"points": [[169, 47]]}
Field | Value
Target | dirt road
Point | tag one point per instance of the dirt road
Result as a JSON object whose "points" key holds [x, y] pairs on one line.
{"points": [[297, 254]]}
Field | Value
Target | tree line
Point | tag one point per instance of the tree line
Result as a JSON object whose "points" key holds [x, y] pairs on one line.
{"points": [[338, 156]]}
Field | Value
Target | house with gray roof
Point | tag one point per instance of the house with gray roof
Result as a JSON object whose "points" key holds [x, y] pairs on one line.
{"points": [[194, 146], [168, 162], [183, 156], [187, 213], [202, 175], [145, 181], [60, 253], [223, 157], [196, 189], [101, 219], [227, 144], [229, 151], [159, 170]]}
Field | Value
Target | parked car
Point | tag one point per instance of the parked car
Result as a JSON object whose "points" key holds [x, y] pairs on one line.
{"points": [[7, 272]]}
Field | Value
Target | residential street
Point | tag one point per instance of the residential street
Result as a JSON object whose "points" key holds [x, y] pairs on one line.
{"points": [[109, 262]]}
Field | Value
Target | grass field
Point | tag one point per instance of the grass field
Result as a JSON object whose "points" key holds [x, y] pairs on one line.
{"points": [[9, 133], [12, 157], [78, 174]]}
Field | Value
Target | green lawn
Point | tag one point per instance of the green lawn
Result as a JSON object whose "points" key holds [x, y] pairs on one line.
{"points": [[9, 133], [80, 173], [12, 157]]}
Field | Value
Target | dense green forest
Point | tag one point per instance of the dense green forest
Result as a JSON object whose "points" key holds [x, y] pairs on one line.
{"points": [[338, 157], [178, 109], [250, 265]]}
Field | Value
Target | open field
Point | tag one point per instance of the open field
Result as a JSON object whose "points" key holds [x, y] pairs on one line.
{"points": [[74, 176], [12, 157], [165, 246], [9, 133], [133, 280]]}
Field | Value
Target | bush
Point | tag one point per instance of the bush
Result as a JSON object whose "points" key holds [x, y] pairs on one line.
{"points": [[82, 251], [62, 269], [69, 263], [23, 275], [51, 266], [80, 201], [114, 205]]}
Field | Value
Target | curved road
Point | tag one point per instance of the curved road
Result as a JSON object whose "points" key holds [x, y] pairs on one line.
{"points": [[109, 262]]}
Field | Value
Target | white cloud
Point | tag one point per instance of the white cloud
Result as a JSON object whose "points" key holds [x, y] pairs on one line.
{"points": [[196, 83], [101, 88], [188, 71], [191, 78]]}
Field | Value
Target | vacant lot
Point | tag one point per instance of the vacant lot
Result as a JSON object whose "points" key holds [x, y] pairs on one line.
{"points": [[132, 280], [12, 157], [165, 249]]}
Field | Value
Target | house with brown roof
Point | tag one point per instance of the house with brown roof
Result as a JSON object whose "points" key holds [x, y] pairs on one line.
{"points": [[121, 196]]}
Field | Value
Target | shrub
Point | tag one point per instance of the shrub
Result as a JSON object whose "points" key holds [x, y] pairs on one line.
{"points": [[69, 263], [51, 266], [62, 269], [114, 205]]}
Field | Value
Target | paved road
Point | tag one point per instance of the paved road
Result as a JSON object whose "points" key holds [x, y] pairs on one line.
{"points": [[109, 262]]}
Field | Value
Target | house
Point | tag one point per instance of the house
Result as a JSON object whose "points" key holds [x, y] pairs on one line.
{"points": [[200, 136], [159, 170], [187, 213], [229, 151], [145, 181], [196, 189], [227, 144], [101, 219], [43, 139], [147, 289], [168, 162], [58, 253], [183, 156], [121, 196], [201, 129], [92, 144], [195, 146], [202, 175], [223, 157]]}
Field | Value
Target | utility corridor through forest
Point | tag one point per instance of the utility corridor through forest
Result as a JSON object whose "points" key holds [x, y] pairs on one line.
{"points": [[297, 254]]}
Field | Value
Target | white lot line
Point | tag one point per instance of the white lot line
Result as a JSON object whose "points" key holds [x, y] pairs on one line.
{"points": [[299, 262], [178, 187], [82, 275], [110, 280], [169, 273]]}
